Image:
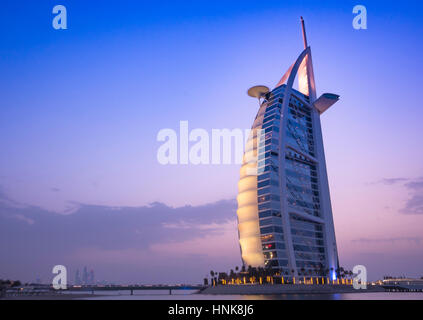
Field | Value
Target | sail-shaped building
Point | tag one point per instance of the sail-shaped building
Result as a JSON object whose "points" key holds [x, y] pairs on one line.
{"points": [[284, 209]]}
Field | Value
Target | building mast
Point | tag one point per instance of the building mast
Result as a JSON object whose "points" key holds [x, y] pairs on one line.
{"points": [[304, 33]]}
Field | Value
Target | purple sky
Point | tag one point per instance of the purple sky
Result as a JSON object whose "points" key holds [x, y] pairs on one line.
{"points": [[80, 110]]}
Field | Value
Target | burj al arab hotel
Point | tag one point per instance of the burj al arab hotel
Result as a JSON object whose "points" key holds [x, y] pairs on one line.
{"points": [[284, 209]]}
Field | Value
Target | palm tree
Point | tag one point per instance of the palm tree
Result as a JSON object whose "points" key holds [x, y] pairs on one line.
{"points": [[16, 283], [213, 279], [341, 272], [232, 274]]}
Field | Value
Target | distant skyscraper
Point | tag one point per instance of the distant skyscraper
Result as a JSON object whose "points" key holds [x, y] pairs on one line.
{"points": [[77, 277], [92, 280], [85, 276], [284, 209]]}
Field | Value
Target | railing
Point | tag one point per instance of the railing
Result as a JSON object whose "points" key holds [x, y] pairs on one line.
{"points": [[281, 280]]}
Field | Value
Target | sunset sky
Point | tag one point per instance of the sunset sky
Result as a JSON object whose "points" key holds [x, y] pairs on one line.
{"points": [[80, 110]]}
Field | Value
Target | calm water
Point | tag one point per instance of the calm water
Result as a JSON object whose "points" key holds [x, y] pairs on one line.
{"points": [[190, 295]]}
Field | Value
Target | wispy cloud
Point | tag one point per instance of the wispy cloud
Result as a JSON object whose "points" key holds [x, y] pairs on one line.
{"points": [[391, 181], [416, 240], [25, 219], [414, 205], [416, 184], [183, 225]]}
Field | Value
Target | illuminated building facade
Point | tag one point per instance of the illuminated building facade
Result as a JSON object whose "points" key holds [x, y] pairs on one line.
{"points": [[284, 210]]}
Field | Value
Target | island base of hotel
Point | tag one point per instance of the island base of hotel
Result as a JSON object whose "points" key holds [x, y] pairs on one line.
{"points": [[269, 289], [312, 286]]}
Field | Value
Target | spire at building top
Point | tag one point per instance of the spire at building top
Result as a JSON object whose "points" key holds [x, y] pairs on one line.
{"points": [[304, 33]]}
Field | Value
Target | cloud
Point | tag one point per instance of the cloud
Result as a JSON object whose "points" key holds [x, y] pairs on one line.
{"points": [[415, 185], [414, 205], [203, 245], [416, 240], [6, 201], [25, 219], [213, 227], [392, 181], [119, 242]]}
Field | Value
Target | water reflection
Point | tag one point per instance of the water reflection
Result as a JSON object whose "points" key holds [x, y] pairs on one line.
{"points": [[191, 295]]}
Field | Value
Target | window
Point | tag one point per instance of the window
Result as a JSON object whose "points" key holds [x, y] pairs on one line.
{"points": [[271, 221], [271, 229], [270, 213], [271, 237], [273, 246], [268, 197], [263, 177], [267, 182]]}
